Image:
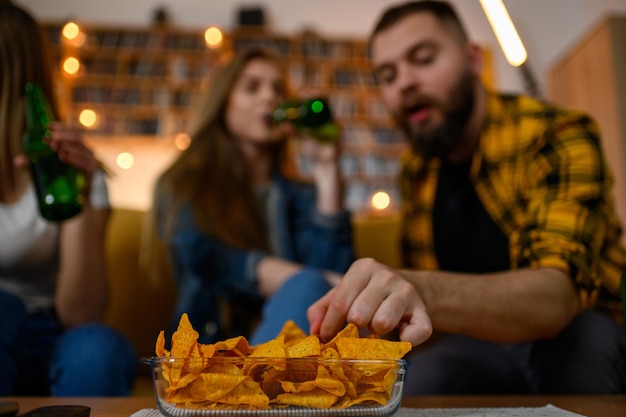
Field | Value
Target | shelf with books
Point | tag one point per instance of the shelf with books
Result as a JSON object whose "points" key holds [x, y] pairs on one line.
{"points": [[142, 82], [136, 80]]}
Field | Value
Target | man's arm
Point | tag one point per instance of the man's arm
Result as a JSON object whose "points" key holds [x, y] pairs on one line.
{"points": [[505, 307]]}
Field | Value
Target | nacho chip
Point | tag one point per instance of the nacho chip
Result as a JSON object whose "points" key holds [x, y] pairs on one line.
{"points": [[206, 351], [225, 367], [274, 348], [184, 338], [316, 398], [356, 348], [247, 393], [213, 387], [326, 381], [235, 346], [291, 333], [306, 386], [337, 370], [307, 347], [159, 348], [367, 397], [350, 330]]}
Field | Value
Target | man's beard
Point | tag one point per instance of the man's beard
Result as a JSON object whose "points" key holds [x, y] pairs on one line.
{"points": [[439, 141]]}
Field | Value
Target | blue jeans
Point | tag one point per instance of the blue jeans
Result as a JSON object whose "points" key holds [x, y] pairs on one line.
{"points": [[290, 302], [588, 357], [37, 357]]}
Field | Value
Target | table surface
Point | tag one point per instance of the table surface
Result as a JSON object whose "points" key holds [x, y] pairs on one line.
{"points": [[590, 406]]}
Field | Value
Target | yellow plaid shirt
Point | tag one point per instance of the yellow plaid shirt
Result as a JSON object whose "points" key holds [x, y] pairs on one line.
{"points": [[541, 175]]}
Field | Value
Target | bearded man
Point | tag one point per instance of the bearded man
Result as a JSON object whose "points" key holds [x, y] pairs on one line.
{"points": [[510, 240]]}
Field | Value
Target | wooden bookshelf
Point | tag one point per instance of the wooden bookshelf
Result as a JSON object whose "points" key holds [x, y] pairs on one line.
{"points": [[143, 81], [139, 81]]}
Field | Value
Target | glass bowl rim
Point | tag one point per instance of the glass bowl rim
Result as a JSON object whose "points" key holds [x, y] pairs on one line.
{"points": [[171, 359]]}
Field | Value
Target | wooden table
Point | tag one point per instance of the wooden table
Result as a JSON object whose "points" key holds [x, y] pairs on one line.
{"points": [[590, 406]]}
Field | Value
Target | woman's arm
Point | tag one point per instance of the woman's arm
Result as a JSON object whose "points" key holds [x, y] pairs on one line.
{"points": [[272, 272], [198, 255], [82, 289], [326, 174]]}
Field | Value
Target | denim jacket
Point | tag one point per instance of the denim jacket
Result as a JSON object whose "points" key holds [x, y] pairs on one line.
{"points": [[209, 272]]}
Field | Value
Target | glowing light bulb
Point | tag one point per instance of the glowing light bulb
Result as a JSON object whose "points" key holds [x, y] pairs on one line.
{"points": [[88, 118], [71, 65], [125, 160], [70, 30], [505, 31], [381, 200], [182, 141], [213, 37]]}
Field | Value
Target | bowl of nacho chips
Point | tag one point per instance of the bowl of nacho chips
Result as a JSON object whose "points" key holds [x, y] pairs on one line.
{"points": [[292, 375]]}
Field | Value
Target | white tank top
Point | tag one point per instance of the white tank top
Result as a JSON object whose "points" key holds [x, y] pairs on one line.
{"points": [[29, 247]]}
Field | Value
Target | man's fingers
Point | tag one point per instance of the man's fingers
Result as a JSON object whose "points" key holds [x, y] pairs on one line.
{"points": [[336, 314], [316, 312], [373, 296], [387, 316], [418, 329]]}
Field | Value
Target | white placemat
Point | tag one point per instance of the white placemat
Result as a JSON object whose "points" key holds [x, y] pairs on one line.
{"points": [[546, 411]]}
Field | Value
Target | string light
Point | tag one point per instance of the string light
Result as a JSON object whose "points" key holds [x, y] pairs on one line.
{"points": [[70, 31], [88, 118], [73, 35], [125, 160], [380, 200], [505, 31], [71, 65], [213, 37], [182, 141]]}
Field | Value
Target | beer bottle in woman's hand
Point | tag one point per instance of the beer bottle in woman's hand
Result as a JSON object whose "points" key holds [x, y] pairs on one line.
{"points": [[58, 185]]}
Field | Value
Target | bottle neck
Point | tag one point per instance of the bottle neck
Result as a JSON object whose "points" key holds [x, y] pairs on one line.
{"points": [[37, 109]]}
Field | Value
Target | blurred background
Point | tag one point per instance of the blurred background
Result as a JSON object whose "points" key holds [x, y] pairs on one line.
{"points": [[122, 72]]}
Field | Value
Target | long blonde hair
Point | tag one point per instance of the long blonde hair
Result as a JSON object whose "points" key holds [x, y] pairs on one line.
{"points": [[24, 57], [210, 175]]}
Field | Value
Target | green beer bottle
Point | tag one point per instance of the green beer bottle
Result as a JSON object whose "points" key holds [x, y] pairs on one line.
{"points": [[57, 184], [311, 116]]}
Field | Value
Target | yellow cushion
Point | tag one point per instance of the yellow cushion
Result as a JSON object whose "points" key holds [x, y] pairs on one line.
{"points": [[378, 236], [140, 306]]}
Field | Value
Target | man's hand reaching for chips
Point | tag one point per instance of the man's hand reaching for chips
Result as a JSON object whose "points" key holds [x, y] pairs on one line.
{"points": [[375, 296]]}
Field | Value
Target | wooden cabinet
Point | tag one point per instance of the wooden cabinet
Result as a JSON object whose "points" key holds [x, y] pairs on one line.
{"points": [[592, 77], [143, 81]]}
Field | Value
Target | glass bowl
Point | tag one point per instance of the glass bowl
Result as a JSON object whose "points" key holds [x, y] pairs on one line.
{"points": [[254, 386]]}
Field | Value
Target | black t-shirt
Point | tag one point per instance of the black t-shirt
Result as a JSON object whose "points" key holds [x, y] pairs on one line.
{"points": [[466, 238]]}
